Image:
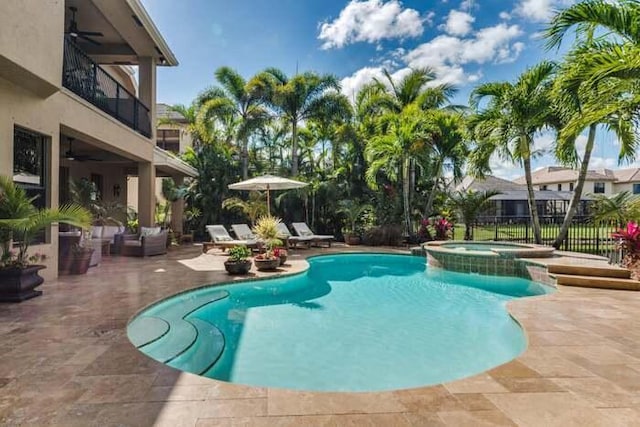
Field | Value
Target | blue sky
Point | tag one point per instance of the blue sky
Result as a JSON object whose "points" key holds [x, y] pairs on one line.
{"points": [[465, 42]]}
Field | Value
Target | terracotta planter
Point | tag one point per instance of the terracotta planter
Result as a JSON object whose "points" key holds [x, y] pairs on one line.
{"points": [[352, 239], [266, 264], [82, 261], [238, 267], [18, 284]]}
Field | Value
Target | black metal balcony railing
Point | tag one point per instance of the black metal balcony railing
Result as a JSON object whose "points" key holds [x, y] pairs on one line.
{"points": [[87, 79]]}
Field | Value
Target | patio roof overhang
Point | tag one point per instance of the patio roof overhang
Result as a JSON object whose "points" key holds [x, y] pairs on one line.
{"points": [[167, 163]]}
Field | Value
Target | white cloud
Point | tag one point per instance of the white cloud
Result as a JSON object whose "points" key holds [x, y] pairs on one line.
{"points": [[371, 21], [505, 16], [504, 169], [447, 54], [352, 84], [458, 23], [538, 10], [603, 163]]}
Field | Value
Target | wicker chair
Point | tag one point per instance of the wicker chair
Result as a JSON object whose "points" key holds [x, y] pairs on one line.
{"points": [[134, 245]]}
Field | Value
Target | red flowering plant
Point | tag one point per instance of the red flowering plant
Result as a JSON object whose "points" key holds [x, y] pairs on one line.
{"points": [[423, 231], [443, 228], [629, 241]]}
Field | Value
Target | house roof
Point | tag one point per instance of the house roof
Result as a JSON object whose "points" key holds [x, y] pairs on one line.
{"points": [[559, 174], [627, 175], [489, 182], [164, 111]]}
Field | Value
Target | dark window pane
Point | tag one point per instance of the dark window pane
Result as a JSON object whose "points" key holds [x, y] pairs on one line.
{"points": [[598, 187]]}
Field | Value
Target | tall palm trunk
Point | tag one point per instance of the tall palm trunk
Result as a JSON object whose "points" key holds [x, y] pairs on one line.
{"points": [[577, 194], [432, 193], [245, 158], [406, 188], [294, 147], [533, 210]]}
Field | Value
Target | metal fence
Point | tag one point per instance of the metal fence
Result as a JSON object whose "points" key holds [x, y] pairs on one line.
{"points": [[584, 235], [90, 81]]}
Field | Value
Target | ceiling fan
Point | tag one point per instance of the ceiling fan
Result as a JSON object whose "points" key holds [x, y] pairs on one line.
{"points": [[72, 155], [74, 32]]}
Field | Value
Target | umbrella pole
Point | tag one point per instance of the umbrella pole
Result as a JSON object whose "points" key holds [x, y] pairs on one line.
{"points": [[268, 202]]}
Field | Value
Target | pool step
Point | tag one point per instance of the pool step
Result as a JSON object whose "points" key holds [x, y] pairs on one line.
{"points": [[145, 330], [204, 352], [597, 282], [587, 270], [177, 340]]}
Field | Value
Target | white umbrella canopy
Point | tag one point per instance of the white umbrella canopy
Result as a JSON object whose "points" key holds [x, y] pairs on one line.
{"points": [[267, 183]]}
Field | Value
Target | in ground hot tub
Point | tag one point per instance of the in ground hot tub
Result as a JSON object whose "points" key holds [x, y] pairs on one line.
{"points": [[490, 258]]}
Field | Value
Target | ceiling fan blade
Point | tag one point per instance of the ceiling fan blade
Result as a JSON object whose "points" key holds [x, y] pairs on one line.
{"points": [[90, 33], [89, 40]]}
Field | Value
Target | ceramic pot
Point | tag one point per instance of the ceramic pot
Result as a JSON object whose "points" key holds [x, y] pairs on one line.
{"points": [[18, 284]]}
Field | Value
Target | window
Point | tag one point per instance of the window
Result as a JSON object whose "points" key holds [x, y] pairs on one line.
{"points": [[559, 187], [598, 187], [571, 186], [543, 188], [636, 188], [31, 168]]}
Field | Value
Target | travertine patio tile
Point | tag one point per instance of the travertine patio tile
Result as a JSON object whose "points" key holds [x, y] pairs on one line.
{"points": [[475, 418], [225, 408], [513, 369], [290, 402], [482, 383], [621, 417], [428, 399], [114, 388], [599, 391], [475, 402], [597, 355], [547, 409], [529, 385], [368, 420]]}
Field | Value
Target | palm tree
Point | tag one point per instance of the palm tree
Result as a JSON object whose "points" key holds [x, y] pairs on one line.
{"points": [[401, 138], [617, 52], [240, 100], [469, 204], [506, 126], [20, 220], [611, 102], [618, 208], [597, 84], [253, 208], [302, 97], [450, 150]]}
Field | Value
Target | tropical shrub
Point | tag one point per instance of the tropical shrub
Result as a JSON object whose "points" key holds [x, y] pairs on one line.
{"points": [[266, 229], [443, 228], [383, 235], [629, 241], [239, 253]]}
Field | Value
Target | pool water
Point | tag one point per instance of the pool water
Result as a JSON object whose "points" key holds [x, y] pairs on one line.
{"points": [[352, 322]]}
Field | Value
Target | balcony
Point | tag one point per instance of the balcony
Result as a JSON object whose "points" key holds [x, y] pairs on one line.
{"points": [[87, 79]]}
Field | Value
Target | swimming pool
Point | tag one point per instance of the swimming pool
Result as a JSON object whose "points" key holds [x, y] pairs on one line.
{"points": [[352, 322]]}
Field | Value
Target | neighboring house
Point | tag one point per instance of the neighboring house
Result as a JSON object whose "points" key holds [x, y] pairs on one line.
{"points": [[558, 178], [600, 181], [512, 203], [70, 110]]}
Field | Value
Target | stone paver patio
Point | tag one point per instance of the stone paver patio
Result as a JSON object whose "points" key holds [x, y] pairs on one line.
{"points": [[66, 361]]}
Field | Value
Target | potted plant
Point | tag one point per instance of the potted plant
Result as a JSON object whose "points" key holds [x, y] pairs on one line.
{"points": [[266, 229], [353, 211], [282, 254], [20, 221], [238, 261]]}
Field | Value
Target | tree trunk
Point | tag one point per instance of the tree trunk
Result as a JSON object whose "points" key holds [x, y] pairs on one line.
{"points": [[406, 188], [577, 193], [467, 232], [245, 158], [533, 210], [294, 147], [432, 194]]}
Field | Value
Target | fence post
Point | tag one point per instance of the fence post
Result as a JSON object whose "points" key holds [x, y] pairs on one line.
{"points": [[526, 232], [495, 221]]}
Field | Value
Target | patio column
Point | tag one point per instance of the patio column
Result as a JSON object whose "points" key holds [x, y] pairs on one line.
{"points": [[177, 208], [146, 194], [147, 89]]}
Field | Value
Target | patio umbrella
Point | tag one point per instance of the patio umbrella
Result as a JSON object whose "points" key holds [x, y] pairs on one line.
{"points": [[267, 183]]}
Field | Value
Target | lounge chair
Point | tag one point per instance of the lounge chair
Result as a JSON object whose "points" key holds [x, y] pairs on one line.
{"points": [[243, 232], [303, 230], [220, 237], [291, 239]]}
